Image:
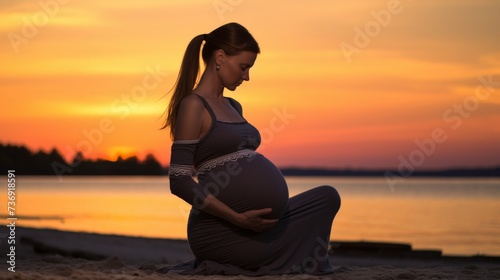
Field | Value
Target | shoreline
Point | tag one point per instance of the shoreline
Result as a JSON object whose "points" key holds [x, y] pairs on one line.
{"points": [[337, 247], [44, 253]]}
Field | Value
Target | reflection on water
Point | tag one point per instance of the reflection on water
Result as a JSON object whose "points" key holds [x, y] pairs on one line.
{"points": [[459, 216]]}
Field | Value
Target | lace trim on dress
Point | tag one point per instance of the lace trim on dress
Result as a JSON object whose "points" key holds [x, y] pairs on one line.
{"points": [[209, 164], [180, 170]]}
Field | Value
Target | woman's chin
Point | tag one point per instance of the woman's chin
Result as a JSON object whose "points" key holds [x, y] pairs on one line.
{"points": [[232, 87]]}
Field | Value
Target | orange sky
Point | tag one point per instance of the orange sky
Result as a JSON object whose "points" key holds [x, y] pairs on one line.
{"points": [[338, 84]]}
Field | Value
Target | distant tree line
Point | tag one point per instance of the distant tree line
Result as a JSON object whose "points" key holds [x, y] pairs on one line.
{"points": [[26, 162]]}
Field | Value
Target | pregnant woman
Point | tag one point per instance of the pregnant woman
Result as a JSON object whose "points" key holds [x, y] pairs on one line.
{"points": [[242, 220]]}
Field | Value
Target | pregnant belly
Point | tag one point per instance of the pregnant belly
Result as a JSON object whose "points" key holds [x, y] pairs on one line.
{"points": [[248, 184]]}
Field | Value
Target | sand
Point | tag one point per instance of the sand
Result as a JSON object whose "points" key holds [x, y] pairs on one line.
{"points": [[50, 254]]}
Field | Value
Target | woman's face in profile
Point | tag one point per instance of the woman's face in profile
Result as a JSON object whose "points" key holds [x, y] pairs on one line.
{"points": [[236, 68]]}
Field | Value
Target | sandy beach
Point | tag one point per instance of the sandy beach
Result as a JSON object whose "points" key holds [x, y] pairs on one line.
{"points": [[51, 254]]}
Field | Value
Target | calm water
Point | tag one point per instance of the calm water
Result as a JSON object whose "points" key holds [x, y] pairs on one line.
{"points": [[458, 216]]}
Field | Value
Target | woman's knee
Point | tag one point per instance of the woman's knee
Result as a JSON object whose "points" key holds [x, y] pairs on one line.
{"points": [[332, 195]]}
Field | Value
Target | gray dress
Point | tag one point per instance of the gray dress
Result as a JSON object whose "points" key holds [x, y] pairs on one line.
{"points": [[228, 167]]}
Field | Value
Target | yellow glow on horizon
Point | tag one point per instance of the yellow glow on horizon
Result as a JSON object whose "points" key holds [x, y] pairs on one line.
{"points": [[121, 151]]}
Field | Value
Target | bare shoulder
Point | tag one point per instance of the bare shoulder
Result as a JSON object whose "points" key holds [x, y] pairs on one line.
{"points": [[191, 101], [192, 104], [190, 118]]}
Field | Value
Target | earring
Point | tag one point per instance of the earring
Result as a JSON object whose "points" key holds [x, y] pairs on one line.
{"points": [[217, 67]]}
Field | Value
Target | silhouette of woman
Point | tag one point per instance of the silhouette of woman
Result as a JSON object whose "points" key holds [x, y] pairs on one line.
{"points": [[242, 220]]}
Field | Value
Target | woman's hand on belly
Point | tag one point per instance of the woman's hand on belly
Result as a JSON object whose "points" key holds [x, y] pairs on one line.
{"points": [[254, 221]]}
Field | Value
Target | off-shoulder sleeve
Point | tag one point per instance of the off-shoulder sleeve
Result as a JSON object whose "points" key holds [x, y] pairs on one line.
{"points": [[181, 173]]}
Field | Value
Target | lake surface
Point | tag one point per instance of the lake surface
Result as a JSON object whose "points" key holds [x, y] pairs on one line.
{"points": [[460, 216]]}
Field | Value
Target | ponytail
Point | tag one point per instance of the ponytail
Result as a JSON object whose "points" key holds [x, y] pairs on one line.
{"points": [[186, 80]]}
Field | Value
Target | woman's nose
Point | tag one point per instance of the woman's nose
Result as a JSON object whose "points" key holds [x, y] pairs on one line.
{"points": [[246, 76]]}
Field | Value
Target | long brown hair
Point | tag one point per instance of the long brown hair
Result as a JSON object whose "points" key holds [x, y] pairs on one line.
{"points": [[232, 38]]}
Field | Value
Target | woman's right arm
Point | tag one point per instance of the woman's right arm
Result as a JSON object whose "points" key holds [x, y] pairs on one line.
{"points": [[187, 133]]}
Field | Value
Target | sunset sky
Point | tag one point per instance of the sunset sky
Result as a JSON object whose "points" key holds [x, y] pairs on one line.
{"points": [[339, 84]]}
